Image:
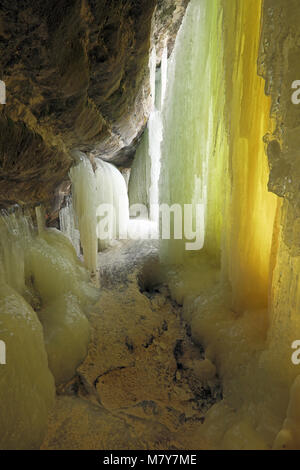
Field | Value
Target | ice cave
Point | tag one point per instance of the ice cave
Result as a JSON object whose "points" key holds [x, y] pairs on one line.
{"points": [[150, 225]]}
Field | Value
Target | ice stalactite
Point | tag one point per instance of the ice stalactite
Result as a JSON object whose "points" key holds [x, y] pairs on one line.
{"points": [[155, 127], [101, 207], [144, 179], [112, 205], [83, 196], [183, 150], [140, 176], [68, 226], [44, 294], [40, 218]]}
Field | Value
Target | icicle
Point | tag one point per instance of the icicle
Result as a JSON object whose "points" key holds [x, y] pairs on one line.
{"points": [[152, 68], [126, 175], [112, 205], [13, 236], [164, 75], [40, 218], [140, 176], [143, 187], [68, 225], [84, 195], [184, 116], [155, 138], [155, 127]]}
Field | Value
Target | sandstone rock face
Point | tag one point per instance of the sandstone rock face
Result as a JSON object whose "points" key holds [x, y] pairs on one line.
{"points": [[279, 65], [76, 76]]}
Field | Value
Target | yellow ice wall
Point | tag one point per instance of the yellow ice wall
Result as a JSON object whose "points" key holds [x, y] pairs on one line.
{"points": [[252, 208], [228, 314], [216, 115]]}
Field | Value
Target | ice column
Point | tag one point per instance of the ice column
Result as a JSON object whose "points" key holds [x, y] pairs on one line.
{"points": [[84, 200]]}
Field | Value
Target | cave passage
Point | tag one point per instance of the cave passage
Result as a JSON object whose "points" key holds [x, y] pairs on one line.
{"points": [[157, 309]]}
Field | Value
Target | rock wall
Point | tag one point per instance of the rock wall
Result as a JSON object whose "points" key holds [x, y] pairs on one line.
{"points": [[76, 76]]}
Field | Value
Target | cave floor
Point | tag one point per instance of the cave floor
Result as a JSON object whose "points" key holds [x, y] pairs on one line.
{"points": [[139, 385]]}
